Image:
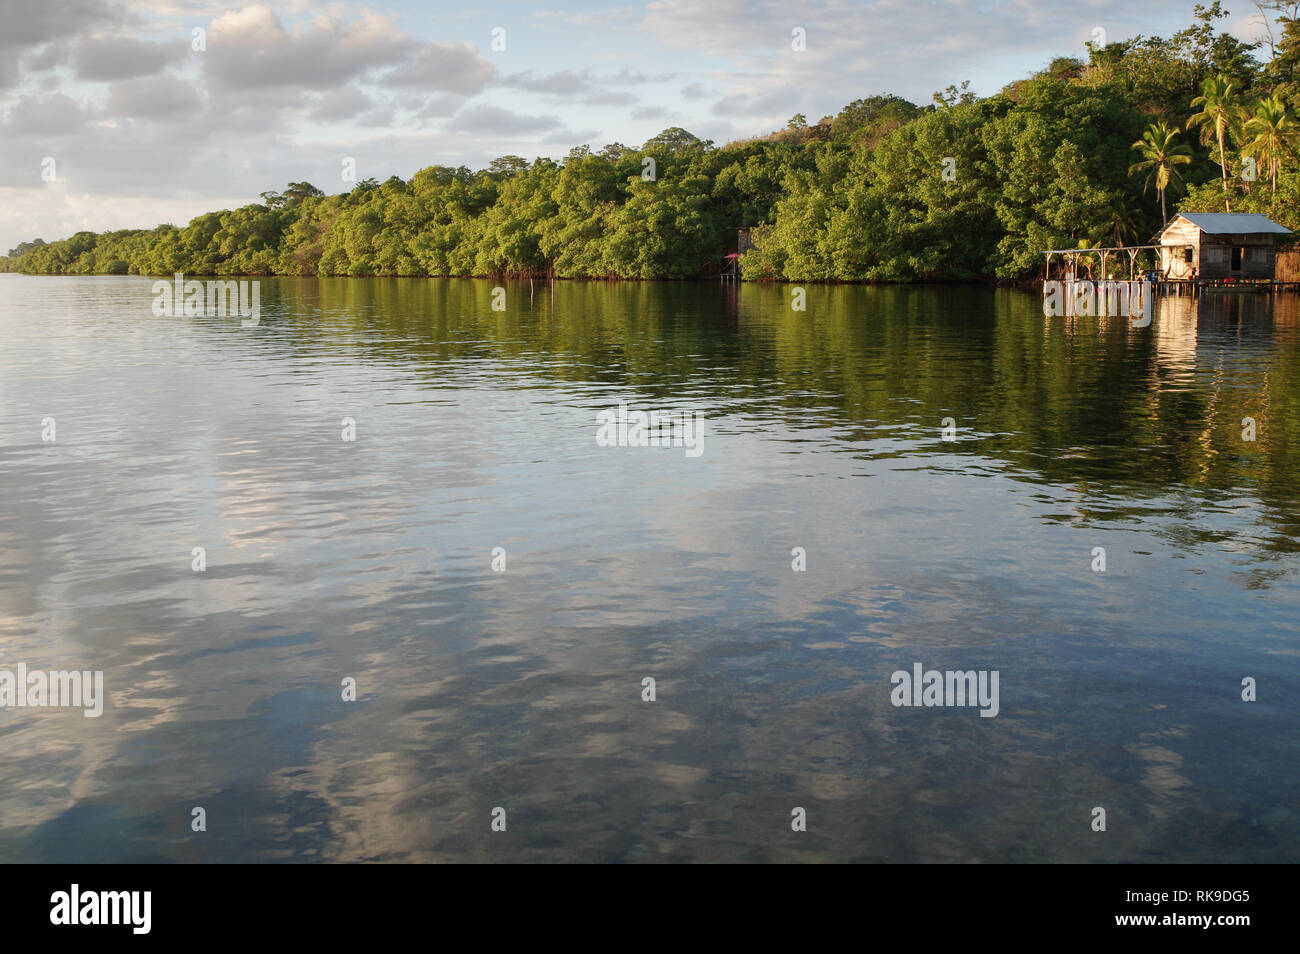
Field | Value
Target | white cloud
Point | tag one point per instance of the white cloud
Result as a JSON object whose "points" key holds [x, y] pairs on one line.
{"points": [[250, 49], [138, 121], [119, 57], [446, 67], [499, 123], [55, 116], [155, 97]]}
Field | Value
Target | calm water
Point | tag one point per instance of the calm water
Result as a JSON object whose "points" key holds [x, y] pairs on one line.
{"points": [[475, 429]]}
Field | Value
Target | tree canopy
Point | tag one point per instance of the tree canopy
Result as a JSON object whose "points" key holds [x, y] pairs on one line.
{"points": [[961, 188]]}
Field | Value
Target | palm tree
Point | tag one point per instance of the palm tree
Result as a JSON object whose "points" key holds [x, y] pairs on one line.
{"points": [[1268, 135], [1122, 222], [1220, 112], [1159, 157], [1084, 260]]}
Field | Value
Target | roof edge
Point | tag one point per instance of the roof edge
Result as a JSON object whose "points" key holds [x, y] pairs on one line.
{"points": [[1245, 223]]}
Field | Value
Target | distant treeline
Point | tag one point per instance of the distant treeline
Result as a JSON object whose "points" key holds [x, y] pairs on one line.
{"points": [[962, 188]]}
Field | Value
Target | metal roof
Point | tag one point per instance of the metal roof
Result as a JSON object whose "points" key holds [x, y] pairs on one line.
{"points": [[1222, 223]]}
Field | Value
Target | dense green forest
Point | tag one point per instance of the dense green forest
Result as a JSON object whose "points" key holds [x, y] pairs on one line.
{"points": [[958, 189]]}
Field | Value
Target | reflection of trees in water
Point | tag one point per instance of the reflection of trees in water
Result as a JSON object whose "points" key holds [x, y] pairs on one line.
{"points": [[1117, 412]]}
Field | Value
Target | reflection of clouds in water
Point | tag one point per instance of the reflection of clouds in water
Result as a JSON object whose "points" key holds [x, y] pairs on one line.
{"points": [[372, 559], [1160, 774]]}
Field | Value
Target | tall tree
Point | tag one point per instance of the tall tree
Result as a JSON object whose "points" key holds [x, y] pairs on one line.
{"points": [[1220, 111], [1268, 136], [1160, 158]]}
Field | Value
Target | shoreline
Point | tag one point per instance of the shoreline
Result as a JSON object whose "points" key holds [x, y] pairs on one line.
{"points": [[1025, 284]]}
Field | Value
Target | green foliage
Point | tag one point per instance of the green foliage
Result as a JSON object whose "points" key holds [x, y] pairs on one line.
{"points": [[1268, 136], [1161, 157], [962, 188]]}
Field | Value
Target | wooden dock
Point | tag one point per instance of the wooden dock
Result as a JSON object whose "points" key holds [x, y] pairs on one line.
{"points": [[1196, 253], [1190, 287], [1182, 288]]}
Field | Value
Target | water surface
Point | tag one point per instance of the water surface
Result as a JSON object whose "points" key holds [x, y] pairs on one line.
{"points": [[475, 429]]}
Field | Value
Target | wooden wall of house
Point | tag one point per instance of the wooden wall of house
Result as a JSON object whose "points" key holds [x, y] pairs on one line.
{"points": [[1257, 259], [1173, 263], [1212, 254], [1260, 261], [1180, 234], [1216, 259]]}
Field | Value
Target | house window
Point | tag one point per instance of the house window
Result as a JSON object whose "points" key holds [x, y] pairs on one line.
{"points": [[1187, 255], [1237, 255]]}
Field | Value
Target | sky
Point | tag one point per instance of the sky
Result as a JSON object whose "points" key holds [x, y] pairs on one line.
{"points": [[130, 114]]}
